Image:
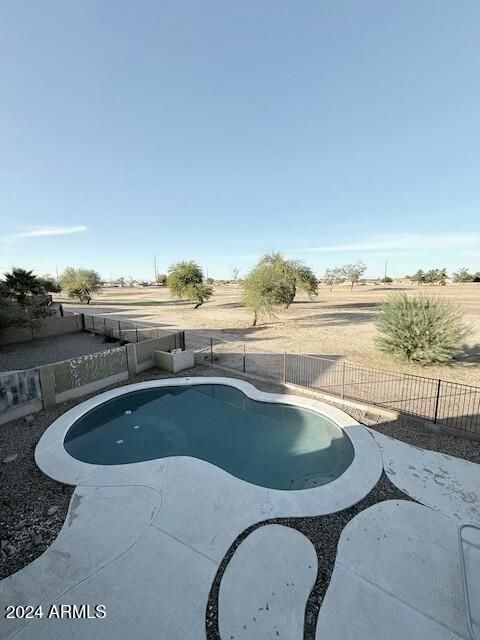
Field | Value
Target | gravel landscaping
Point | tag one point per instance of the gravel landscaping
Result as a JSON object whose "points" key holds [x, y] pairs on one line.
{"points": [[33, 507], [26, 355], [324, 533]]}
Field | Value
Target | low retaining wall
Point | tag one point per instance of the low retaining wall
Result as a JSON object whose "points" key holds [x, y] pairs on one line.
{"points": [[146, 350], [27, 391], [48, 327]]}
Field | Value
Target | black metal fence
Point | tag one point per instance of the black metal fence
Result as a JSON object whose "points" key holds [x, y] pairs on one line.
{"points": [[451, 404], [129, 331]]}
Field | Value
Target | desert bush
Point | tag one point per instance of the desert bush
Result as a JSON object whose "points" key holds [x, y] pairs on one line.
{"points": [[420, 328], [161, 279]]}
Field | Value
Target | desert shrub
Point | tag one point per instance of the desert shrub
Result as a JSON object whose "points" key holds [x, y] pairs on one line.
{"points": [[420, 328], [161, 279]]}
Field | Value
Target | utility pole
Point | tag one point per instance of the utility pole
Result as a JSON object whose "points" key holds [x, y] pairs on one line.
{"points": [[56, 269], [155, 265], [385, 276]]}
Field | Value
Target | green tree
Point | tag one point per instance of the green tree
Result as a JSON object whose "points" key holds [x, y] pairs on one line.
{"points": [[291, 276], [334, 277], [436, 276], [418, 277], [261, 292], [463, 275], [20, 284], [353, 272], [420, 328], [49, 284], [161, 279], [80, 283], [185, 280], [274, 282]]}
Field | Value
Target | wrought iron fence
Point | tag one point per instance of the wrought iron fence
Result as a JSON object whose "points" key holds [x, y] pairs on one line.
{"points": [[129, 331], [451, 404]]}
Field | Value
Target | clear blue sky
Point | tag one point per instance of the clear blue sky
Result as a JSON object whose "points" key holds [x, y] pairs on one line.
{"points": [[331, 130]]}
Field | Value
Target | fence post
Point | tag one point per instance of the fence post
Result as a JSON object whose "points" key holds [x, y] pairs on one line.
{"points": [[244, 359], [437, 401], [211, 350], [136, 332], [284, 366], [343, 379], [119, 330]]}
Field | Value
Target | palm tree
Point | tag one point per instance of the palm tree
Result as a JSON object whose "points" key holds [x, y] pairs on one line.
{"points": [[21, 283]]}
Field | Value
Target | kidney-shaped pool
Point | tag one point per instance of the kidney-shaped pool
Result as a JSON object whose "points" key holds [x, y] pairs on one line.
{"points": [[273, 445]]}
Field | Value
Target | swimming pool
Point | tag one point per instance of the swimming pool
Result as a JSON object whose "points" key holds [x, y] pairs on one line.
{"points": [[273, 445]]}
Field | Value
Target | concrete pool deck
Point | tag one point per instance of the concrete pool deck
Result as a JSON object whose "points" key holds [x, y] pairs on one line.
{"points": [[146, 540]]}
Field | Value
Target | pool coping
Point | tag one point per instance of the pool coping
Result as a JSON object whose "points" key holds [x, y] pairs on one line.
{"points": [[349, 488]]}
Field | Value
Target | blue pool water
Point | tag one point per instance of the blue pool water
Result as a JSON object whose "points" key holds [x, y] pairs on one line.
{"points": [[272, 445]]}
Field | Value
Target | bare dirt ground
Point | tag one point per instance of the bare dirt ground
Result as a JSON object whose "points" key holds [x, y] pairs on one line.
{"points": [[337, 324]]}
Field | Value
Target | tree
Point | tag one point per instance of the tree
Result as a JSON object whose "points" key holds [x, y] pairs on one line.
{"points": [[291, 276], [235, 273], [418, 277], [80, 283], [260, 292], [161, 279], [436, 276], [48, 284], [274, 283], [420, 328], [353, 272], [463, 275], [334, 277], [20, 284], [185, 279]]}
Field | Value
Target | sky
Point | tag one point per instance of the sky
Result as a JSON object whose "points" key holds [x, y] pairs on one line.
{"points": [[333, 131]]}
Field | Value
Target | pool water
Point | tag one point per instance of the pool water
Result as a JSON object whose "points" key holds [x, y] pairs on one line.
{"points": [[268, 444]]}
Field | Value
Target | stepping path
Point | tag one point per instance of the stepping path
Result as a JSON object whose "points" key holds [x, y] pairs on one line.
{"points": [[397, 575], [445, 483], [266, 585]]}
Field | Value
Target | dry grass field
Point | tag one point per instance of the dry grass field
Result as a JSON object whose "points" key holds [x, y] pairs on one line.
{"points": [[338, 324]]}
